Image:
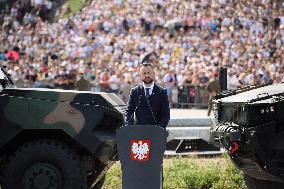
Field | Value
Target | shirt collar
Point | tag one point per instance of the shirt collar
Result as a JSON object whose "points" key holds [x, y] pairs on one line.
{"points": [[151, 86]]}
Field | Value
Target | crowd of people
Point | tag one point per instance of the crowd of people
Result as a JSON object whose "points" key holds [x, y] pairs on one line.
{"points": [[103, 45]]}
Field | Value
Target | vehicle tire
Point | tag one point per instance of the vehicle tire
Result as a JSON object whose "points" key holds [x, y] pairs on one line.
{"points": [[44, 164], [253, 183]]}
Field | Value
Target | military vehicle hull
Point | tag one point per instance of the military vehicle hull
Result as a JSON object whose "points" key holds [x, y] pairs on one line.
{"points": [[57, 138], [249, 123]]}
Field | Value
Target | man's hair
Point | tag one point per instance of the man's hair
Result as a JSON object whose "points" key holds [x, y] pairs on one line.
{"points": [[149, 57], [146, 65]]}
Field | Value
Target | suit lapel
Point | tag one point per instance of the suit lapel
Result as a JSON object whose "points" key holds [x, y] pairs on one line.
{"points": [[155, 91], [154, 97], [142, 92]]}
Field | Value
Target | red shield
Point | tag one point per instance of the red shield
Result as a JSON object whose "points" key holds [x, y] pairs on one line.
{"points": [[140, 150]]}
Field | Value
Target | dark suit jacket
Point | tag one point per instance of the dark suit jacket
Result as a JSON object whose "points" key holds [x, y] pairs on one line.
{"points": [[158, 100]]}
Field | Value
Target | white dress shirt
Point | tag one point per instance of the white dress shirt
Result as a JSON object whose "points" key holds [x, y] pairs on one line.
{"points": [[150, 90]]}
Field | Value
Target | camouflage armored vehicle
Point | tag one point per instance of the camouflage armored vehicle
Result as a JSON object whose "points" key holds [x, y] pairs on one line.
{"points": [[56, 139], [250, 125]]}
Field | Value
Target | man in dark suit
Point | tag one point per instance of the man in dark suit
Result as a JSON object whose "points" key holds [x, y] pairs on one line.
{"points": [[148, 103]]}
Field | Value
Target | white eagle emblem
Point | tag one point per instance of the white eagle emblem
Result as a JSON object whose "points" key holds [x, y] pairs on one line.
{"points": [[140, 150]]}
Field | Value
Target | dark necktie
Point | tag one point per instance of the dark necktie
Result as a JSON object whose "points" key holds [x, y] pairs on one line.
{"points": [[147, 92]]}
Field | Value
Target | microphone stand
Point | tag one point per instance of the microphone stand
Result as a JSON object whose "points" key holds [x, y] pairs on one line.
{"points": [[152, 111]]}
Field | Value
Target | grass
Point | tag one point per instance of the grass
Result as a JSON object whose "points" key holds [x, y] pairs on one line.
{"points": [[76, 5], [73, 7], [190, 173]]}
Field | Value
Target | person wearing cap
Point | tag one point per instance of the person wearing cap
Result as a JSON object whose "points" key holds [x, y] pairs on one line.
{"points": [[148, 103]]}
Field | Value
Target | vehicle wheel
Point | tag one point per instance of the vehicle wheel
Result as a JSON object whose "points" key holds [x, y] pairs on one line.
{"points": [[253, 183], [44, 164]]}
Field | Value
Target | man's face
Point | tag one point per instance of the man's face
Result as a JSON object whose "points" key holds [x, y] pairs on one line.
{"points": [[147, 74]]}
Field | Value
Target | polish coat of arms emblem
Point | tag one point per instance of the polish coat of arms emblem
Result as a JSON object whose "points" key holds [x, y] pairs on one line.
{"points": [[140, 150]]}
